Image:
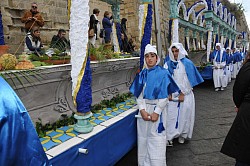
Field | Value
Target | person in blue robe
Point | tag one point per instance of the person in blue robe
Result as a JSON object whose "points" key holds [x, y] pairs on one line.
{"points": [[219, 60], [181, 108], [151, 87], [19, 142], [237, 62]]}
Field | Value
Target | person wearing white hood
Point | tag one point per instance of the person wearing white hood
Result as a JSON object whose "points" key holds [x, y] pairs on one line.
{"points": [[229, 67], [219, 58], [181, 108], [152, 87]]}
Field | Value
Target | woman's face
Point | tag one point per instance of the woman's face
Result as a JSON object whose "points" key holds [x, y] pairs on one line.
{"points": [[151, 59], [37, 33], [175, 52]]}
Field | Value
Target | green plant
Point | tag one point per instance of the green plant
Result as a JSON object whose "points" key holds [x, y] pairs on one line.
{"points": [[66, 120]]}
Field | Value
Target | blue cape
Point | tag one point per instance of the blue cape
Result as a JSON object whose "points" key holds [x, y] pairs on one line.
{"points": [[19, 142], [229, 58], [237, 57], [224, 56], [159, 83], [193, 75]]}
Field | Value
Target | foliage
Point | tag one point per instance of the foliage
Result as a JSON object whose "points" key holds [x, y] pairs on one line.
{"points": [[65, 121], [203, 65], [104, 52], [34, 57]]}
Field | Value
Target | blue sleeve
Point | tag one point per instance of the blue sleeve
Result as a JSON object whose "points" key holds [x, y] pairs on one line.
{"points": [[106, 22]]}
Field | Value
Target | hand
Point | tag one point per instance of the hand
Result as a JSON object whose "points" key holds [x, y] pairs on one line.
{"points": [[170, 97], [236, 109], [34, 18], [145, 116], [181, 97], [29, 18], [154, 117]]}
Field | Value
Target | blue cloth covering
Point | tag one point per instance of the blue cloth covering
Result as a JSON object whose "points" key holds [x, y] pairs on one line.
{"points": [[158, 81], [105, 148], [237, 57], [19, 143], [213, 55], [193, 74], [84, 95], [1, 31], [229, 58]]}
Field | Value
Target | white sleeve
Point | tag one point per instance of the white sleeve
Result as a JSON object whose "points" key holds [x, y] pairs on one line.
{"points": [[141, 102], [161, 104]]}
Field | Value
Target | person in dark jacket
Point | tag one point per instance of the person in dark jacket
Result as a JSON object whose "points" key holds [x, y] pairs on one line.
{"points": [[107, 25], [32, 18], [237, 142], [94, 21], [59, 41]]}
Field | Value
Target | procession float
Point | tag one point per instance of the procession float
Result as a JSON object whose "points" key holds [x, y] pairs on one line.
{"points": [[79, 102]]}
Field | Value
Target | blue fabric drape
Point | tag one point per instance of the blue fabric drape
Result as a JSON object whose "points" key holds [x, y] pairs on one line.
{"points": [[105, 148], [147, 34], [193, 75], [19, 142], [84, 95], [118, 33], [159, 83], [1, 31]]}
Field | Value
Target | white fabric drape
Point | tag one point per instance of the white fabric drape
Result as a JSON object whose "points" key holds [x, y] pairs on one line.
{"points": [[78, 36]]}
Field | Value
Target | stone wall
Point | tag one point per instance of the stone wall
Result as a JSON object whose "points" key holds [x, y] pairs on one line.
{"points": [[54, 13]]}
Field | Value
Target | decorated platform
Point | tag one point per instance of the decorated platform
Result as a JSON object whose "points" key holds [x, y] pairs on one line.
{"points": [[113, 136]]}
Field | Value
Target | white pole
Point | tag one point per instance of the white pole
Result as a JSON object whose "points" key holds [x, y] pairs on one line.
{"points": [[157, 27]]}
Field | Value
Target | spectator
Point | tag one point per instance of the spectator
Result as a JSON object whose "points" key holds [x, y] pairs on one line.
{"points": [[59, 41], [32, 18], [94, 26], [123, 26], [33, 42], [107, 26], [236, 144]]}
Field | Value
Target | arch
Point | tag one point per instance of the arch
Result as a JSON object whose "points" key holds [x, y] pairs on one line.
{"points": [[215, 6], [192, 8], [229, 18], [232, 22], [181, 5], [220, 11], [225, 14]]}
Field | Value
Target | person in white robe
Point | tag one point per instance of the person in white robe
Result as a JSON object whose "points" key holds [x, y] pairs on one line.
{"points": [[219, 58], [181, 108], [152, 87], [229, 65]]}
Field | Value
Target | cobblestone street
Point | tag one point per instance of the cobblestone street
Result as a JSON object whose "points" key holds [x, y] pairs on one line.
{"points": [[214, 116]]}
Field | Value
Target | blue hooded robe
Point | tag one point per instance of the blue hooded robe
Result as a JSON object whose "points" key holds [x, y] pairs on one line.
{"points": [[19, 142]]}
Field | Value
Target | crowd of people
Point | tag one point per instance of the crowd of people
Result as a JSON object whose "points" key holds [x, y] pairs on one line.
{"points": [[33, 44], [165, 101], [127, 44], [226, 65]]}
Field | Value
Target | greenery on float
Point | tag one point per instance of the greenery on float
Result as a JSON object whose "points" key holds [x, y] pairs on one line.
{"points": [[70, 120], [104, 52]]}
